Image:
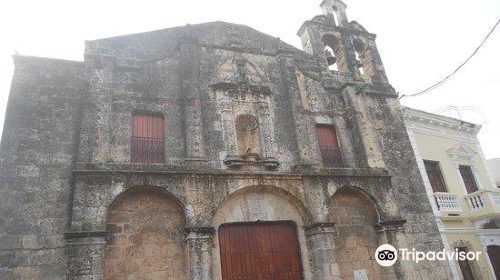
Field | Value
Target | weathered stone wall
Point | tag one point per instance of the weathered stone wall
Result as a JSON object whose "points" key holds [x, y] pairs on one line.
{"points": [[36, 155]]}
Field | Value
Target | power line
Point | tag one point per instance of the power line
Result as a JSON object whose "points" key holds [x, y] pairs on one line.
{"points": [[456, 70]]}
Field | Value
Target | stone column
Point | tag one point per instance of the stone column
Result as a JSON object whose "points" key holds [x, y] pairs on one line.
{"points": [[199, 241], [85, 255], [320, 240]]}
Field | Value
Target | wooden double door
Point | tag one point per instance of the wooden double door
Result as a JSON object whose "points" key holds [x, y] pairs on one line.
{"points": [[260, 251]]}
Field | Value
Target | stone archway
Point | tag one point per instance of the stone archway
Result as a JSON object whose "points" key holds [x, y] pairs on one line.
{"points": [[145, 228], [264, 207], [355, 216]]}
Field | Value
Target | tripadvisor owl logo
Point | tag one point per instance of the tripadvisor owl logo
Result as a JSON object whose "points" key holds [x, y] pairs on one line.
{"points": [[386, 255]]}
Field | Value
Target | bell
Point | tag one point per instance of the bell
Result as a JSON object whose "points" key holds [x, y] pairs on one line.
{"points": [[330, 58], [359, 64]]}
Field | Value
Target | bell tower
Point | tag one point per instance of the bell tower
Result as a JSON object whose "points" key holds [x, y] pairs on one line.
{"points": [[346, 49]]}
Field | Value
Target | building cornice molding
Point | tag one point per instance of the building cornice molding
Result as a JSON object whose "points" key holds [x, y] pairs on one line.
{"points": [[439, 124]]}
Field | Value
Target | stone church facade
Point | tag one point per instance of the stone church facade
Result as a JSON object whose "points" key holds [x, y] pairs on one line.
{"points": [[212, 151]]}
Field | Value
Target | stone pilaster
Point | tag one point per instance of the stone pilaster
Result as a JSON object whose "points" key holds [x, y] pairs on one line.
{"points": [[190, 96], [369, 152], [99, 71], [86, 255], [304, 128], [199, 241], [321, 243], [389, 231]]}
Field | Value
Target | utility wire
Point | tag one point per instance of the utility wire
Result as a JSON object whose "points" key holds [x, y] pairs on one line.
{"points": [[456, 70]]}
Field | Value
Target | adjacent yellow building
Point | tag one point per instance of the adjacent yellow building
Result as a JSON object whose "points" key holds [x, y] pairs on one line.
{"points": [[461, 190]]}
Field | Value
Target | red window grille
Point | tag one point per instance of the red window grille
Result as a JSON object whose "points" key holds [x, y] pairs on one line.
{"points": [[148, 142], [329, 146]]}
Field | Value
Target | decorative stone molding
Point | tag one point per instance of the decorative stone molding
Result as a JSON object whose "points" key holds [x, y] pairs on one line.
{"points": [[462, 243], [233, 161], [241, 89], [271, 163], [320, 228], [362, 88], [394, 225], [462, 150], [440, 125], [196, 233]]}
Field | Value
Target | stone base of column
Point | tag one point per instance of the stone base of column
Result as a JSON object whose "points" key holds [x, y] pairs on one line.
{"points": [[199, 241], [85, 255], [320, 240]]}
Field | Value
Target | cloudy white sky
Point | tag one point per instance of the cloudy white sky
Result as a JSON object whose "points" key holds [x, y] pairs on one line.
{"points": [[420, 41]]}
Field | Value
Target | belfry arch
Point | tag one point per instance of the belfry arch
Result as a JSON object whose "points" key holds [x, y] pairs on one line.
{"points": [[334, 53]]}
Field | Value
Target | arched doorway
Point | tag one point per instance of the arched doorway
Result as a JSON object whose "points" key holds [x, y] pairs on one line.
{"points": [[145, 228], [356, 241], [260, 235], [494, 255]]}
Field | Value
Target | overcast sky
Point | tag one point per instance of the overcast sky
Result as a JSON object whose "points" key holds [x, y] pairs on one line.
{"points": [[420, 41]]}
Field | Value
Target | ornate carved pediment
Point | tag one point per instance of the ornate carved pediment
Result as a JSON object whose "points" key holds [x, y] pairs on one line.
{"points": [[239, 70], [240, 79]]}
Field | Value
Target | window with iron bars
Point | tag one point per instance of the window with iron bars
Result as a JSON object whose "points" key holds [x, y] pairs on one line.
{"points": [[148, 138], [329, 146]]}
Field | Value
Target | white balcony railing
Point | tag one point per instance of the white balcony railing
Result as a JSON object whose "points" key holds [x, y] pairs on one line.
{"points": [[476, 201], [495, 196], [447, 202], [484, 199]]}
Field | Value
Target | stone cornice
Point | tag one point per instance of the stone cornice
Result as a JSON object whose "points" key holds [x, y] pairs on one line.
{"points": [[151, 169]]}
